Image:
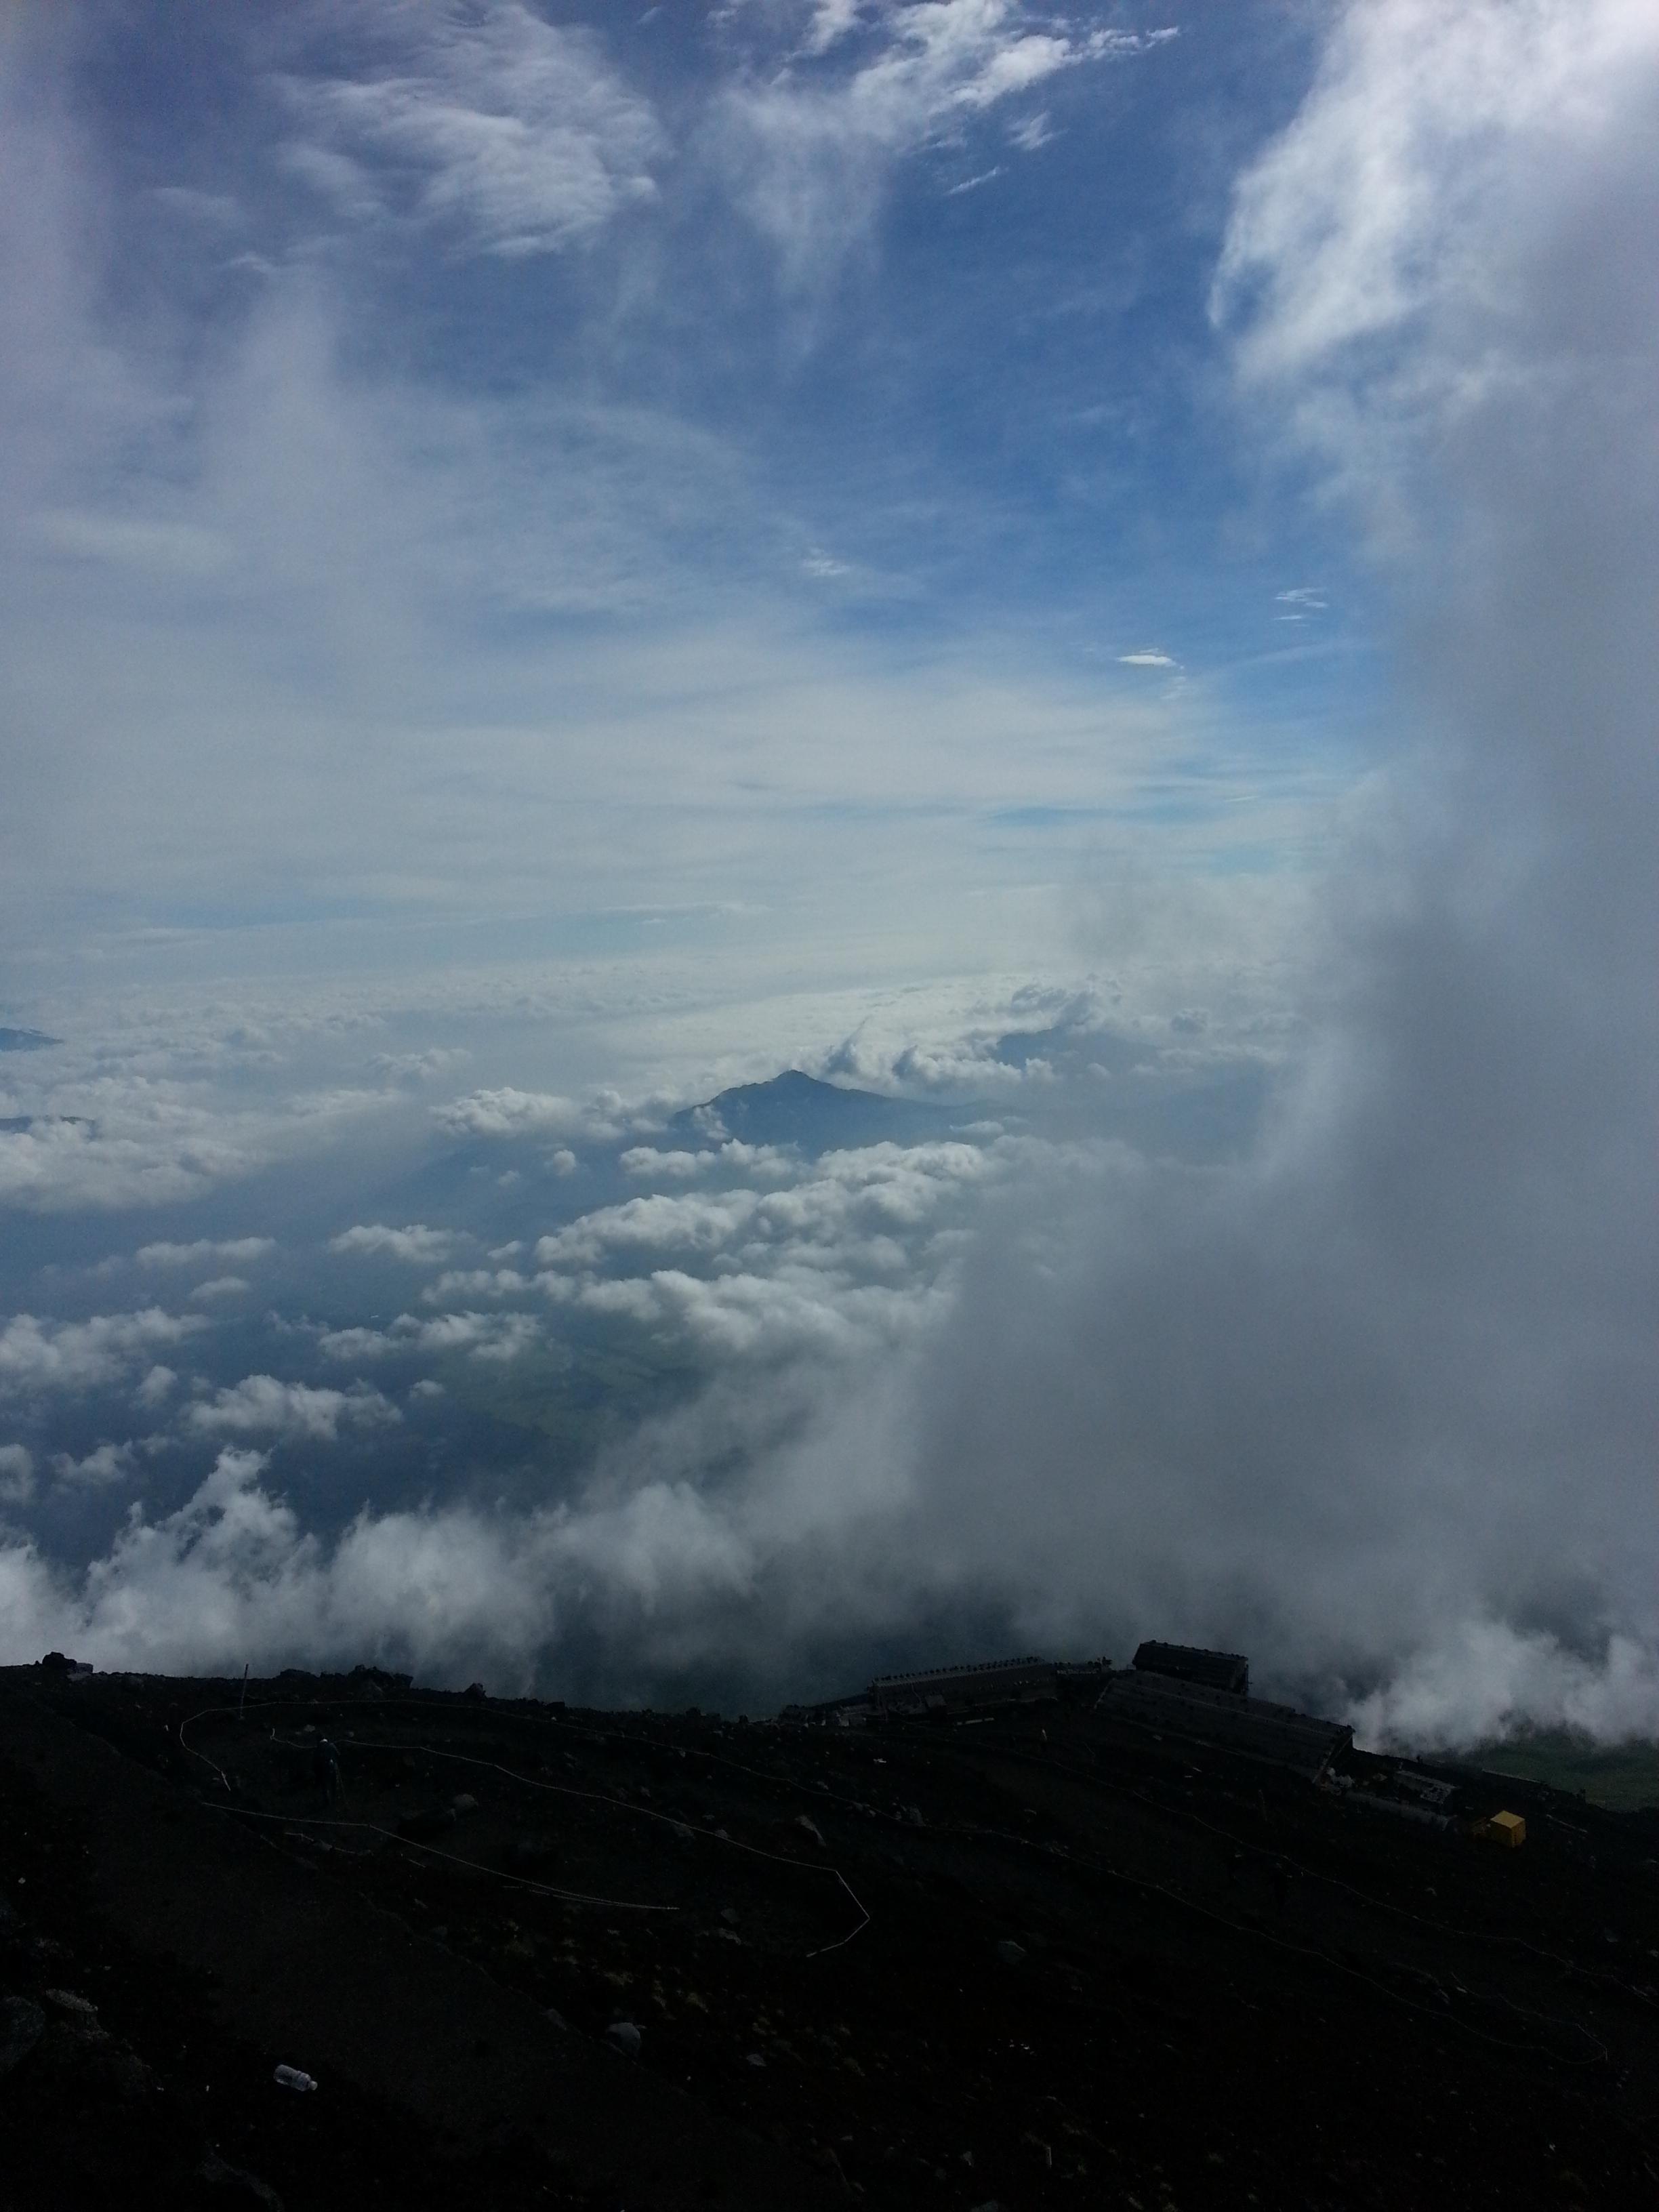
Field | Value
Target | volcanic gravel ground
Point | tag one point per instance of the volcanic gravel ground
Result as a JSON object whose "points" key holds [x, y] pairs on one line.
{"points": [[535, 1956]]}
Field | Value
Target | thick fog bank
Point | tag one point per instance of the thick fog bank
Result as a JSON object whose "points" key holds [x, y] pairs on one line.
{"points": [[1380, 1407]]}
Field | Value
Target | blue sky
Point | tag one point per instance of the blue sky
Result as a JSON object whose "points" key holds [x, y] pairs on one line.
{"points": [[504, 469]]}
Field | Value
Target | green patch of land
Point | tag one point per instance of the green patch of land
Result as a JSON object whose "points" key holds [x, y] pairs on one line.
{"points": [[580, 1392], [1622, 1776]]}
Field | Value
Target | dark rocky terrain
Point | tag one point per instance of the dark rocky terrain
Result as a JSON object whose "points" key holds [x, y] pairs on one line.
{"points": [[1036, 1958]]}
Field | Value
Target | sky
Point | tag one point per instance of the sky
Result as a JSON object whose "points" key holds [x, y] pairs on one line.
{"points": [[1086, 570]]}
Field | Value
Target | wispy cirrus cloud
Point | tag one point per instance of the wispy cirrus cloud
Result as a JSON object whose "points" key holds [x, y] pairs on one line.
{"points": [[806, 146]]}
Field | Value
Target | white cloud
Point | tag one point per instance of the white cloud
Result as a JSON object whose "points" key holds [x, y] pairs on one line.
{"points": [[1376, 260], [1379, 199], [59, 1164], [764, 1162], [649, 1564], [510, 1113], [416, 1068], [79, 1355], [787, 1315], [1486, 1680], [107, 1463], [645, 1163], [156, 1387], [140, 1119], [476, 1283], [261, 1405], [416, 1244], [239, 1249], [808, 150], [857, 1211], [1034, 131], [483, 1336], [1150, 658], [503, 131], [350, 1345], [221, 1286], [832, 21], [17, 1474], [657, 1224], [232, 1571]]}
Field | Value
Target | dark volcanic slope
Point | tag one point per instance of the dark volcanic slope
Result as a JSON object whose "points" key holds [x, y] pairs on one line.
{"points": [[1097, 1969]]}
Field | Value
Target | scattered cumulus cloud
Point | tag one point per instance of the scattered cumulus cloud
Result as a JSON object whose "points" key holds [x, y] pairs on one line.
{"points": [[100, 1469], [203, 1251], [879, 1189], [37, 1355], [261, 1405], [417, 1245], [157, 1387], [645, 1161], [239, 1249], [498, 1337], [511, 1113]]}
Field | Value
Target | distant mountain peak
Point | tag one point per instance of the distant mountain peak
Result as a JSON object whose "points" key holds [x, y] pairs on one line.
{"points": [[792, 1083], [795, 1109]]}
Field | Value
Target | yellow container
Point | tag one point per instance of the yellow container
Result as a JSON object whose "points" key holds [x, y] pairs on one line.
{"points": [[1507, 1829]]}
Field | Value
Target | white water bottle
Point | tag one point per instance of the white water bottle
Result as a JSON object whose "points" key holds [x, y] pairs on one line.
{"points": [[291, 2077]]}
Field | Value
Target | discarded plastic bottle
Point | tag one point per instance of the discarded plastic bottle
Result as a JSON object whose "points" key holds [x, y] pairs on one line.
{"points": [[291, 2077]]}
